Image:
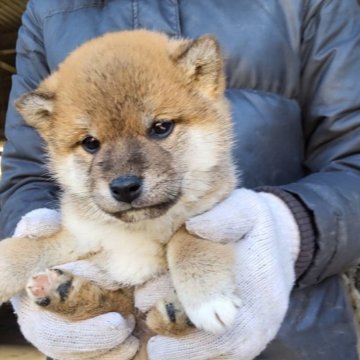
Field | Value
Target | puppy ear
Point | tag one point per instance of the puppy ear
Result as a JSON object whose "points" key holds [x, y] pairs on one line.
{"points": [[36, 107], [202, 62]]}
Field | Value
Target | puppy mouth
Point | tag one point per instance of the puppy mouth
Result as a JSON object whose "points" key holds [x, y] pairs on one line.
{"points": [[138, 213]]}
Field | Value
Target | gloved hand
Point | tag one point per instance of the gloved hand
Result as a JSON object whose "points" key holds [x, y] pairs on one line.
{"points": [[38, 223], [267, 245], [107, 335]]}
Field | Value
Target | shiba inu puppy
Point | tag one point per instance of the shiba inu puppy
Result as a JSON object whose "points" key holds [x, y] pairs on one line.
{"points": [[138, 136]]}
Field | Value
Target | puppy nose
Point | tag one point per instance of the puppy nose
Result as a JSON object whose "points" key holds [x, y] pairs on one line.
{"points": [[126, 188]]}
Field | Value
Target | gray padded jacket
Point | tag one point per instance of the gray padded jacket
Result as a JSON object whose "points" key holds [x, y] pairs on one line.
{"points": [[293, 80]]}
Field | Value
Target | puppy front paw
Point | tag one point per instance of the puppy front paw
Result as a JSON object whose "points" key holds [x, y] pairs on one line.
{"points": [[203, 274], [50, 287], [215, 314]]}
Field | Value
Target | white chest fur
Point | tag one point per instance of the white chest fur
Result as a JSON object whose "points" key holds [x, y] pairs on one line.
{"points": [[133, 257], [130, 255]]}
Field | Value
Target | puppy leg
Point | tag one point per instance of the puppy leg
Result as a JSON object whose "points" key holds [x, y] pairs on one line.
{"points": [[203, 275], [22, 257], [76, 298]]}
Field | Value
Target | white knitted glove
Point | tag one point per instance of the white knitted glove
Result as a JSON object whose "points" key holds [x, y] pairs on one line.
{"points": [[105, 337], [265, 258], [38, 223]]}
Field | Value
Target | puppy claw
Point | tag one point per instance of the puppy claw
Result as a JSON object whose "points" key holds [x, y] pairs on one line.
{"points": [[45, 301], [171, 312]]}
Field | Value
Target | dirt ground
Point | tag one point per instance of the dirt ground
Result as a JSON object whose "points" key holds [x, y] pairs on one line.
{"points": [[19, 352]]}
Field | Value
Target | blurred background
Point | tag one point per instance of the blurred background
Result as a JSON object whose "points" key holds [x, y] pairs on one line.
{"points": [[12, 344], [10, 18]]}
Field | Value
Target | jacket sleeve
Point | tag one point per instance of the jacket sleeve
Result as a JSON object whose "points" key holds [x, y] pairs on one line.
{"points": [[25, 185], [330, 98]]}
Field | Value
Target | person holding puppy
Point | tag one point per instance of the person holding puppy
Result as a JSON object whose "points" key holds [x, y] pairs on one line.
{"points": [[292, 83]]}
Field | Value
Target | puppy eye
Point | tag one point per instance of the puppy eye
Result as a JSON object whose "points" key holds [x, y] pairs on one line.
{"points": [[161, 129], [90, 144]]}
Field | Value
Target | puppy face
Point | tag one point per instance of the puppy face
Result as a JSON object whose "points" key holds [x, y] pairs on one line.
{"points": [[135, 123]]}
